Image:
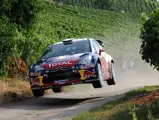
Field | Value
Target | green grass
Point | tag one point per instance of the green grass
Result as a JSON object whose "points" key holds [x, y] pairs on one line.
{"points": [[141, 90], [123, 109], [133, 6], [120, 32]]}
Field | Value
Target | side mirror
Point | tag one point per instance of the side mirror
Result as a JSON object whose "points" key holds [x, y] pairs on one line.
{"points": [[100, 42], [100, 51], [102, 45]]}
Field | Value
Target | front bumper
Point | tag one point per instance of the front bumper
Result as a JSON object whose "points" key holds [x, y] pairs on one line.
{"points": [[64, 77]]}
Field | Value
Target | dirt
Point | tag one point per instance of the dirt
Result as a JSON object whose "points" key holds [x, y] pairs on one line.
{"points": [[82, 98], [146, 99], [55, 107]]}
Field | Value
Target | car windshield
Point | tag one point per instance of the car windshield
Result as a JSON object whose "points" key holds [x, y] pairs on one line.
{"points": [[67, 49]]}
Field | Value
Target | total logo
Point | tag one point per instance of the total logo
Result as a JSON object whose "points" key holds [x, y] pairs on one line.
{"points": [[68, 63], [60, 64]]}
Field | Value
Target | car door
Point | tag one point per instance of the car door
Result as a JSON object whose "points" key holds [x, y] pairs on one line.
{"points": [[108, 60], [102, 56]]}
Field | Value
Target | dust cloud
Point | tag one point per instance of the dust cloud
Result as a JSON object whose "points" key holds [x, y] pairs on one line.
{"points": [[127, 79], [131, 70]]}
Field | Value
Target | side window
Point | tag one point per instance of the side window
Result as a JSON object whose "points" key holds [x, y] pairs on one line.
{"points": [[95, 46]]}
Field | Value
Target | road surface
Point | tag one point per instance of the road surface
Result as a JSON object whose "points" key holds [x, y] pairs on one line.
{"points": [[63, 106]]}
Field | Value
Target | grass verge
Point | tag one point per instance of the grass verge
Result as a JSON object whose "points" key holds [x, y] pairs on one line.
{"points": [[14, 90], [141, 104]]}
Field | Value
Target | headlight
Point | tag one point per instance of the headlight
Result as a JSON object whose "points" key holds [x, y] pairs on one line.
{"points": [[85, 60], [38, 68]]}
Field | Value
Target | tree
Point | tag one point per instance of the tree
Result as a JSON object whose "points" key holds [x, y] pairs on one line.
{"points": [[9, 36], [20, 12], [16, 18], [150, 38]]}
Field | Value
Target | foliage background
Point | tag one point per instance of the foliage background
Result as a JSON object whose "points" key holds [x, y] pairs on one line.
{"points": [[150, 37], [27, 27]]}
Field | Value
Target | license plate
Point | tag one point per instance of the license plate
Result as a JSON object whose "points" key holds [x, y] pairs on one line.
{"points": [[61, 81]]}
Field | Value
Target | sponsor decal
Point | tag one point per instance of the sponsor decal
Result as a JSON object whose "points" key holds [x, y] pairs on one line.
{"points": [[87, 66], [61, 64], [61, 81], [33, 74], [37, 81], [104, 67], [86, 74]]}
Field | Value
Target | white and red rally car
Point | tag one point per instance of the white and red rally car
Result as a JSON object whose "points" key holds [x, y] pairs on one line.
{"points": [[72, 61]]}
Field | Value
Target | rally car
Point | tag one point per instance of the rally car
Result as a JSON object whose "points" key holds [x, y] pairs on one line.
{"points": [[72, 61]]}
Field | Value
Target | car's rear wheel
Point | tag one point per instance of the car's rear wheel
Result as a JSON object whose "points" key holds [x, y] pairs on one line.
{"points": [[100, 82], [57, 89], [38, 93], [112, 81]]}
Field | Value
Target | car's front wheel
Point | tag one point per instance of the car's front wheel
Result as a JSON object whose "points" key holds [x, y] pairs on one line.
{"points": [[57, 89], [38, 93], [112, 81], [100, 82]]}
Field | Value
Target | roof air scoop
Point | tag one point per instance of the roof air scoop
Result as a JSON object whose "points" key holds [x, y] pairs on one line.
{"points": [[68, 41]]}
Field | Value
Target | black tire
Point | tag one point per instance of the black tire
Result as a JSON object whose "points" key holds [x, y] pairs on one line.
{"points": [[57, 90], [112, 81], [38, 93], [100, 82]]}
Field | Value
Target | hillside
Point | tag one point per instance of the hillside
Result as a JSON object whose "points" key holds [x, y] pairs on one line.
{"points": [[56, 22], [135, 7]]}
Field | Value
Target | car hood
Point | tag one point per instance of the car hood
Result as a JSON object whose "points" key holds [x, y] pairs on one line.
{"points": [[61, 61]]}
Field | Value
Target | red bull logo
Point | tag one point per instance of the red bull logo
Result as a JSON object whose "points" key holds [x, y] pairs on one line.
{"points": [[37, 81], [86, 74], [89, 74]]}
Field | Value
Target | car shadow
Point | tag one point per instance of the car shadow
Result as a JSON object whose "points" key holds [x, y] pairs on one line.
{"points": [[44, 103]]}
